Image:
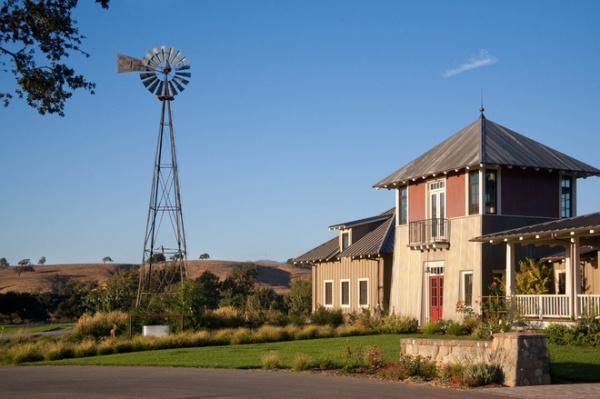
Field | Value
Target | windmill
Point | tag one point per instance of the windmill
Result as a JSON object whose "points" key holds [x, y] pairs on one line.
{"points": [[165, 73]]}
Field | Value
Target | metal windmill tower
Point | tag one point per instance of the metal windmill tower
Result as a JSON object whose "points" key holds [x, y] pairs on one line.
{"points": [[165, 73]]}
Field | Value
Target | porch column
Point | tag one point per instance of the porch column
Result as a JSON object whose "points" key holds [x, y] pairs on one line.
{"points": [[576, 279], [510, 269]]}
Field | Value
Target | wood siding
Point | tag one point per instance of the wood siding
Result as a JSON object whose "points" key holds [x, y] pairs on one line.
{"points": [[417, 202], [530, 193], [456, 195], [354, 270]]}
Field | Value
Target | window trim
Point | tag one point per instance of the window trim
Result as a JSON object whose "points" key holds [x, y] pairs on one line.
{"points": [[570, 194], [491, 206], [402, 206], [345, 233], [463, 284], [473, 191], [363, 305], [325, 283], [347, 304]]}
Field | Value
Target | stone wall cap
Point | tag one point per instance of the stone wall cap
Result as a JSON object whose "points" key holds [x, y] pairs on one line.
{"points": [[519, 335]]}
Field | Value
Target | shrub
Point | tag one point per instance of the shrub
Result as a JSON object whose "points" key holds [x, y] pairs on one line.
{"points": [[85, 348], [308, 332], [324, 316], [431, 328], [395, 325], [454, 328], [100, 324], [325, 361], [242, 336], [559, 334], [301, 362], [479, 374], [372, 357], [58, 350], [270, 360], [350, 331], [24, 353], [224, 317], [105, 347], [199, 338], [268, 333]]}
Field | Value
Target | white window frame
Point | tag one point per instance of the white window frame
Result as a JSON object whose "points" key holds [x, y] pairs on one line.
{"points": [[347, 232], [363, 305], [463, 292], [327, 305], [342, 304]]}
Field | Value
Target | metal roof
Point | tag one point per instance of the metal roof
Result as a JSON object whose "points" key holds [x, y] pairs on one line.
{"points": [[378, 241], [560, 229], [484, 142]]}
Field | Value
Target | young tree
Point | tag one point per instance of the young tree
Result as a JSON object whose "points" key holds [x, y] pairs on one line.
{"points": [[210, 286], [31, 31], [299, 299], [106, 259], [204, 256], [238, 286], [42, 260], [4, 262], [533, 277]]}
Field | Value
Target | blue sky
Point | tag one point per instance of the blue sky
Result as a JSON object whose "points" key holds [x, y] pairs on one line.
{"points": [[294, 110]]}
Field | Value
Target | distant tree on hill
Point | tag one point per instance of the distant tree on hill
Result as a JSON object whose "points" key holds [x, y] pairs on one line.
{"points": [[4, 262], [158, 257], [25, 268], [204, 256], [42, 260], [177, 256], [106, 259], [24, 262]]}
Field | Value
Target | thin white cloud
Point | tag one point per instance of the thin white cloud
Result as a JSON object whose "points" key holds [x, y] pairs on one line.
{"points": [[483, 59]]}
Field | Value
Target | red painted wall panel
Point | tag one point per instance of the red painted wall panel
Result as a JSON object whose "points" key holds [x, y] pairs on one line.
{"points": [[416, 201], [530, 193], [455, 195]]}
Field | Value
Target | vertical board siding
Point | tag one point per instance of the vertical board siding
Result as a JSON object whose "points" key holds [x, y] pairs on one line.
{"points": [[530, 193], [417, 202], [348, 269], [456, 195]]}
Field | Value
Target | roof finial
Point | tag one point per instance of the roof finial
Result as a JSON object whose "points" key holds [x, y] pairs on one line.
{"points": [[481, 109]]}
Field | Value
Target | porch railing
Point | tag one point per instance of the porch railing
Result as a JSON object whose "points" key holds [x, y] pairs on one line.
{"points": [[555, 306]]}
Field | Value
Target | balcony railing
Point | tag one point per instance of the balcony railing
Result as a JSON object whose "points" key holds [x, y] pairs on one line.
{"points": [[429, 231]]}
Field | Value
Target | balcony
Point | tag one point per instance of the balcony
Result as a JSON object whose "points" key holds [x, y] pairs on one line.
{"points": [[429, 234]]}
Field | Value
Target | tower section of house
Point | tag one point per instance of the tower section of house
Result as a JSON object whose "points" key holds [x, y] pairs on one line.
{"points": [[352, 271], [484, 179]]}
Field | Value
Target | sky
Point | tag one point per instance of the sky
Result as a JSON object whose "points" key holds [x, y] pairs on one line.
{"points": [[294, 110]]}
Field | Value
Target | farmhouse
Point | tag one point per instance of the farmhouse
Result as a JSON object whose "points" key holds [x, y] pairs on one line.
{"points": [[482, 186]]}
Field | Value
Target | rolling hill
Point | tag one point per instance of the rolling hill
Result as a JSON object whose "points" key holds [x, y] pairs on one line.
{"points": [[273, 274]]}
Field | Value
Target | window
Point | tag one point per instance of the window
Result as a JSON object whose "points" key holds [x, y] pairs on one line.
{"points": [[566, 197], [363, 292], [345, 293], [491, 200], [466, 289], [345, 240], [403, 205], [329, 293], [474, 192], [437, 209]]}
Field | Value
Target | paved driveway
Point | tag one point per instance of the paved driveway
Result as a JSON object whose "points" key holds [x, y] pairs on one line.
{"points": [[158, 382]]}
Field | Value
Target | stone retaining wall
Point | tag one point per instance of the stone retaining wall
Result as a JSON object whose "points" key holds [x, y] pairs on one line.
{"points": [[522, 357]]}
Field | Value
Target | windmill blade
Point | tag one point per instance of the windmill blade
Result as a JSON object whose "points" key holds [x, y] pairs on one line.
{"points": [[176, 57], [163, 51], [159, 90], [184, 67], [157, 54], [179, 86], [147, 82], [186, 74], [153, 86], [182, 80], [173, 89], [181, 61], [171, 51]]}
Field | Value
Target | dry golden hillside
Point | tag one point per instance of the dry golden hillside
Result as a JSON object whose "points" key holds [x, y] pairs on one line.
{"points": [[276, 275]]}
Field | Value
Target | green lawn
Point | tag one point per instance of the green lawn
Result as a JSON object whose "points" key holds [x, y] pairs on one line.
{"points": [[244, 356], [574, 363], [25, 328], [567, 363]]}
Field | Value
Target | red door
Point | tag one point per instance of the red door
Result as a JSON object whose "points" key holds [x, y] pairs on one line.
{"points": [[436, 297]]}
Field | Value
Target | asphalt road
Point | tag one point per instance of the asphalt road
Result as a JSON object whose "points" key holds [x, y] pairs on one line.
{"points": [[159, 382]]}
